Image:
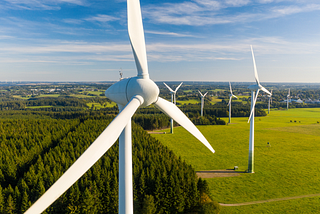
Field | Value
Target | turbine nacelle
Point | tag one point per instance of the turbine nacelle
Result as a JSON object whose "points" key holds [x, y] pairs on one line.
{"points": [[122, 91], [254, 87]]}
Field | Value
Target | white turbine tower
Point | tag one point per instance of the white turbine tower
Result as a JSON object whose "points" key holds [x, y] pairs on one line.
{"points": [[202, 101], [288, 99], [229, 103], [173, 100], [257, 87], [269, 100], [129, 94]]}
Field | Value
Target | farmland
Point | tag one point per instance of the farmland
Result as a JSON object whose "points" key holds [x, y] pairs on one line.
{"points": [[288, 167]]}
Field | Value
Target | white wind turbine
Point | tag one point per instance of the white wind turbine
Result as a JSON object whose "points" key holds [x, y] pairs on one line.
{"points": [[129, 94], [229, 103], [269, 100], [257, 87], [173, 100], [288, 99], [202, 101]]}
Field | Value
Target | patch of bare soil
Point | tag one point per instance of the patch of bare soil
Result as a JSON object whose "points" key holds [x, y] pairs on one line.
{"points": [[218, 173], [151, 132]]}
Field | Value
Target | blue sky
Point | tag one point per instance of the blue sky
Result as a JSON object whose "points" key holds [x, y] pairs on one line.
{"points": [[187, 40]]}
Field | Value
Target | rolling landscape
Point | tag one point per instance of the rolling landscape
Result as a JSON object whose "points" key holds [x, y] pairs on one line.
{"points": [[146, 107], [286, 144]]}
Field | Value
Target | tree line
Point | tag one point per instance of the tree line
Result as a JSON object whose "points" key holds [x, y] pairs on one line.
{"points": [[35, 152]]}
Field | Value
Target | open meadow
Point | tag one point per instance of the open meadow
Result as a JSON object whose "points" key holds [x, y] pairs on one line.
{"points": [[289, 167]]}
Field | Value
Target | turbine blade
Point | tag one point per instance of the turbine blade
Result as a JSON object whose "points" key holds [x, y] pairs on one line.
{"points": [[168, 87], [235, 96], [253, 106], [229, 101], [136, 35], [106, 139], [178, 87], [205, 94], [255, 67], [175, 113], [264, 89], [230, 88], [200, 93]]}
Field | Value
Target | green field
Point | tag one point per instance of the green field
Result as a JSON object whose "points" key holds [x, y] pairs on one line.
{"points": [[215, 100], [32, 107], [198, 101], [98, 105], [290, 167], [186, 102], [41, 95]]}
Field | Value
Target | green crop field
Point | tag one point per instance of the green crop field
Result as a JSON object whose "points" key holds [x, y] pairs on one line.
{"points": [[186, 102], [215, 99], [289, 167], [33, 107], [98, 105]]}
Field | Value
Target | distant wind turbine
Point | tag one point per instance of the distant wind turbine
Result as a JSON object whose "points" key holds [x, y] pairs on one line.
{"points": [[229, 103], [202, 101], [129, 94], [254, 95], [173, 100], [288, 99], [269, 100], [121, 74]]}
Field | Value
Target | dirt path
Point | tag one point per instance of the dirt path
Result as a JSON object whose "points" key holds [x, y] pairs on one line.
{"points": [[152, 132], [218, 173], [269, 200]]}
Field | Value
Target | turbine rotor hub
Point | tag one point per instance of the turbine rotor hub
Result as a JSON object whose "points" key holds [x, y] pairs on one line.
{"points": [[122, 91]]}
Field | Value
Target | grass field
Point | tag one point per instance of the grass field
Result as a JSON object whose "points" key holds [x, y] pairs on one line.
{"points": [[198, 101], [98, 105], [32, 107], [290, 167], [186, 102], [41, 95]]}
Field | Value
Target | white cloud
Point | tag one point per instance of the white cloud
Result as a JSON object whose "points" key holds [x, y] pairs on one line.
{"points": [[102, 18], [73, 21], [39, 4], [169, 34], [84, 52], [210, 4], [211, 12], [288, 10], [237, 3]]}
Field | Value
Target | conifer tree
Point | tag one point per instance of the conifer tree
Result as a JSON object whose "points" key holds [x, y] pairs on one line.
{"points": [[148, 205], [25, 203], [10, 205], [1, 200]]}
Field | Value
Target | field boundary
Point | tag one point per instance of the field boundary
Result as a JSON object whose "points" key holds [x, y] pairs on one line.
{"points": [[269, 200], [218, 173]]}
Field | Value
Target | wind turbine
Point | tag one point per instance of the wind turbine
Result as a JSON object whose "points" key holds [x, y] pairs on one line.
{"points": [[288, 99], [129, 94], [229, 103], [202, 101], [173, 100], [121, 74], [257, 87], [269, 100]]}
